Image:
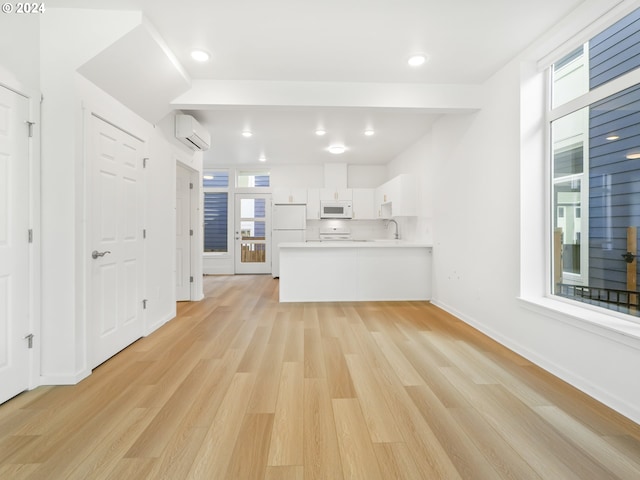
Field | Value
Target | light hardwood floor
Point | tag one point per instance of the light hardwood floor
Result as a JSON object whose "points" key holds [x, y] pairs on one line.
{"points": [[239, 386]]}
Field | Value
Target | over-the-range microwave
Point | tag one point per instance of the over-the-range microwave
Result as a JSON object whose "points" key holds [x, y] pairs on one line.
{"points": [[336, 209]]}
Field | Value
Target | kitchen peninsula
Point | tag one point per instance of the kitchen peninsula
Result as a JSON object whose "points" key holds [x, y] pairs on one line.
{"points": [[375, 270]]}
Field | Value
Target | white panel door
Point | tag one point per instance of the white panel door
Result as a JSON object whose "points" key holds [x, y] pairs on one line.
{"points": [[253, 233], [14, 248], [116, 290], [183, 234]]}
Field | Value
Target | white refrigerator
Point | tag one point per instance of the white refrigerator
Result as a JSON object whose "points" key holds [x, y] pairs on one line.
{"points": [[288, 224]]}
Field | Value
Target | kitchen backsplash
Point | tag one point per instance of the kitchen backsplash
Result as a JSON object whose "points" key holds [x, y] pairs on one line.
{"points": [[411, 228]]}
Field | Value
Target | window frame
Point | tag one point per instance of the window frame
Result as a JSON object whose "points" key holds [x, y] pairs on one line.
{"points": [[228, 191], [602, 316]]}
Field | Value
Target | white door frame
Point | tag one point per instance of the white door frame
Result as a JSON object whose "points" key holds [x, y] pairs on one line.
{"points": [[195, 254], [85, 251], [35, 245]]}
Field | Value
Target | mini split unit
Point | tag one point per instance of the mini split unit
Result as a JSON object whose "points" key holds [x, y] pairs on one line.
{"points": [[191, 133]]}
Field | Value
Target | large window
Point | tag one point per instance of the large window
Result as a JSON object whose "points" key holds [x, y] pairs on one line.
{"points": [[595, 171], [216, 210]]}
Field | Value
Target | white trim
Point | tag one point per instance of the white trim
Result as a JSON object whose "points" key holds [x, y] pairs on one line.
{"points": [[612, 87], [630, 410], [585, 22], [149, 329], [34, 301], [592, 320], [65, 379]]}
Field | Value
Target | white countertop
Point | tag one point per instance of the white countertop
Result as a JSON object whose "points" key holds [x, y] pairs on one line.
{"points": [[356, 244]]}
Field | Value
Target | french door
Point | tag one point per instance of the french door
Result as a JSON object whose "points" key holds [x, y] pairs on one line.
{"points": [[252, 233]]}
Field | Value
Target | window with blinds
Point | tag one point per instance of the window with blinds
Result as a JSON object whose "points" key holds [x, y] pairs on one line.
{"points": [[216, 211]]}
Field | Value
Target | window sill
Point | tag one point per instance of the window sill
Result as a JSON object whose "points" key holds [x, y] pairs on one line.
{"points": [[606, 325]]}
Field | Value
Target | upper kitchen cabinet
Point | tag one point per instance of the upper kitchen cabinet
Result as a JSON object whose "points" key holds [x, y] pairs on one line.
{"points": [[336, 194], [313, 204], [364, 204], [398, 197], [284, 195]]}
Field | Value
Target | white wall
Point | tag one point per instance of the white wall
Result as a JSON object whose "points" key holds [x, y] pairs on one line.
{"points": [[68, 100], [418, 160], [20, 52], [472, 166], [366, 176], [299, 176]]}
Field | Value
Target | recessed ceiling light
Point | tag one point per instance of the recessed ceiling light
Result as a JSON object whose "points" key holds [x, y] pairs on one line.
{"points": [[417, 59], [247, 134], [337, 149], [633, 156], [320, 132], [262, 158], [369, 132], [613, 137], [200, 55]]}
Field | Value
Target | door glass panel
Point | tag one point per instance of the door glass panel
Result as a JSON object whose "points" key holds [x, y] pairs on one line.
{"points": [[253, 252], [253, 233], [253, 230]]}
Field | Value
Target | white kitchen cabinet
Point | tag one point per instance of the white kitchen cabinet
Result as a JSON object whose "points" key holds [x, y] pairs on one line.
{"points": [[398, 197], [285, 195], [313, 204], [355, 271], [329, 194], [363, 204]]}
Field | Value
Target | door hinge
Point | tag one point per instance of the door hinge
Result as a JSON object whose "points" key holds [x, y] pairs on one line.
{"points": [[190, 185], [29, 339], [144, 162], [30, 235], [30, 127], [190, 279], [144, 304], [144, 233], [191, 232]]}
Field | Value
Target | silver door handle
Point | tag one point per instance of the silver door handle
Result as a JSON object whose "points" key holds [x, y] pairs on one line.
{"points": [[95, 254]]}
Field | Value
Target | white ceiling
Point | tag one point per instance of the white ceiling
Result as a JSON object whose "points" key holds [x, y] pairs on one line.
{"points": [[335, 41]]}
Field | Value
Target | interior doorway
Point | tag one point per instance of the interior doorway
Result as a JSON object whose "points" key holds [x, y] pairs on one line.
{"points": [[186, 248]]}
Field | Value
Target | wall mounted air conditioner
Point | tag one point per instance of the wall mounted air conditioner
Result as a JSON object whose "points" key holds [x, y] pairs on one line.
{"points": [[191, 133]]}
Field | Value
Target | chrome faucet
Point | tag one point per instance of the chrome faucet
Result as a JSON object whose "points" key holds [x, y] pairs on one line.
{"points": [[397, 235]]}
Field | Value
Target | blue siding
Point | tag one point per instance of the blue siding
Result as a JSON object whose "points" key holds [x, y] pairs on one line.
{"points": [[615, 51], [614, 186]]}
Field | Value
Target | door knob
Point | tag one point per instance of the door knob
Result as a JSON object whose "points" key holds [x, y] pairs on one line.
{"points": [[95, 254]]}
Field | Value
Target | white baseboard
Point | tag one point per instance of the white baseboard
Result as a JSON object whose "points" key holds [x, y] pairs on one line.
{"points": [[622, 406], [63, 379], [164, 319]]}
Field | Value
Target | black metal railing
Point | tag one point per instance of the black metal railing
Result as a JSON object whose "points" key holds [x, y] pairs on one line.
{"points": [[622, 298]]}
